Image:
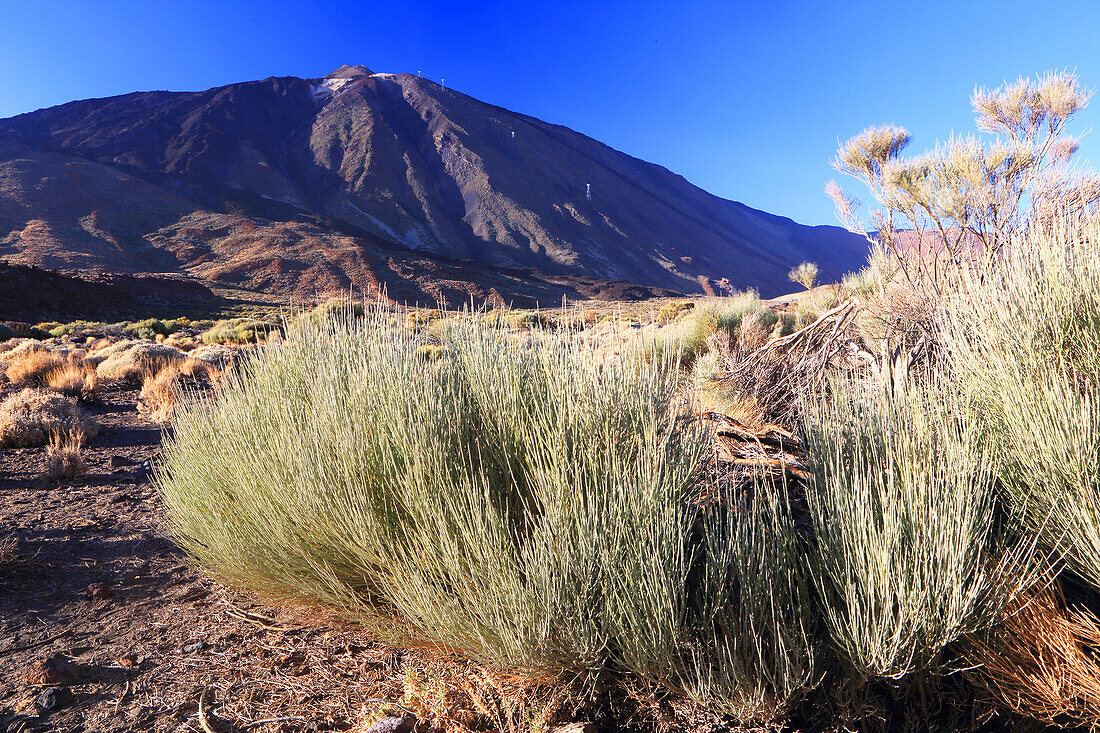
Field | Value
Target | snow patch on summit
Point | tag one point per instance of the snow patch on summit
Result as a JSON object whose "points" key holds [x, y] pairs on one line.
{"points": [[329, 87]]}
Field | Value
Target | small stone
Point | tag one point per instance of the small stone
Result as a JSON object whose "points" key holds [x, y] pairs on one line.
{"points": [[392, 725], [129, 660], [198, 646], [54, 698], [98, 592], [51, 671], [120, 461]]}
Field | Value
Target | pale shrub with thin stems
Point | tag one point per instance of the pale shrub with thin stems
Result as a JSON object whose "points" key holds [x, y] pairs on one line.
{"points": [[534, 507], [909, 551], [968, 197], [1024, 337], [755, 649], [805, 275]]}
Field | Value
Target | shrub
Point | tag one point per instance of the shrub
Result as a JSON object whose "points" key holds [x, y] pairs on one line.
{"points": [[416, 320], [531, 319], [805, 275], [71, 328], [129, 361], [64, 459], [26, 330], [910, 554], [35, 365], [158, 395], [967, 199], [217, 355], [669, 312], [149, 329], [334, 307], [690, 335], [1040, 661], [30, 418], [239, 331], [430, 352], [532, 508], [6, 332], [1024, 338]]}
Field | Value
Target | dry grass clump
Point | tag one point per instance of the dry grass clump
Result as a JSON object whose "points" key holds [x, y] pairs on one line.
{"points": [[64, 457], [61, 370], [160, 387], [1041, 661], [75, 379], [31, 417], [158, 397], [31, 365]]}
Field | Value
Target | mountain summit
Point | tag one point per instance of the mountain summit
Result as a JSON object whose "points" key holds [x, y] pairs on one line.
{"points": [[374, 181], [350, 72]]}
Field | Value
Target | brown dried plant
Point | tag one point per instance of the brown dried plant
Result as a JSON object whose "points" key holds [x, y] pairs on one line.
{"points": [[34, 365], [159, 393], [1041, 660], [74, 378], [64, 457]]}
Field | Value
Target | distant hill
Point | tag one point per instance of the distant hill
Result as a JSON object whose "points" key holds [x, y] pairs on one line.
{"points": [[374, 181]]}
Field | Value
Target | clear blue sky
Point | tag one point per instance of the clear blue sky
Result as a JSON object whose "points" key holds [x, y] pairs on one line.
{"points": [[746, 99]]}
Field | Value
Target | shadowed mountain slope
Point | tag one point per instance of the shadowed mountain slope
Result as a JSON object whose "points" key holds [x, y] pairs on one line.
{"points": [[372, 181]]}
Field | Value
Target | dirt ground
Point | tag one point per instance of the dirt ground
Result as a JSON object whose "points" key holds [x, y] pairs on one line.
{"points": [[140, 650]]}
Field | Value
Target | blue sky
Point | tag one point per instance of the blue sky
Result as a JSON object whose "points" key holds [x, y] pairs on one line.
{"points": [[746, 100]]}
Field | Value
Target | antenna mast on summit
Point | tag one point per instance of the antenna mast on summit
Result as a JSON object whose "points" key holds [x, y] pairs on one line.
{"points": [[588, 191]]}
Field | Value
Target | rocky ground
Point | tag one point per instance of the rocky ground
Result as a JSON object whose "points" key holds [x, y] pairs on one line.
{"points": [[105, 627]]}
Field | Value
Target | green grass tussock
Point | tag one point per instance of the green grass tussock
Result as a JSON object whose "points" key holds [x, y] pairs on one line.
{"points": [[534, 508], [690, 330], [910, 554], [1024, 337]]}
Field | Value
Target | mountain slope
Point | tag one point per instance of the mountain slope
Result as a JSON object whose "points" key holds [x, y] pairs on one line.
{"points": [[359, 179]]}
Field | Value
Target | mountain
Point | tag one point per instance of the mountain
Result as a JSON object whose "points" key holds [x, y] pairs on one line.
{"points": [[373, 181]]}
